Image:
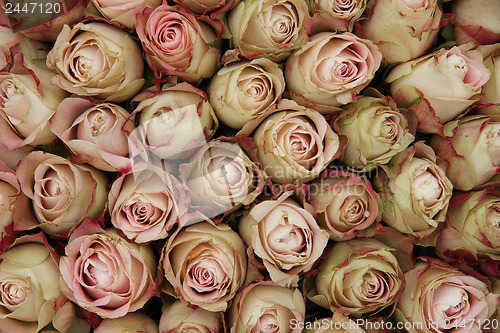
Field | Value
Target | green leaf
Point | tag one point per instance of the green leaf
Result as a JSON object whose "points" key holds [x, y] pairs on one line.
{"points": [[407, 104], [216, 43]]}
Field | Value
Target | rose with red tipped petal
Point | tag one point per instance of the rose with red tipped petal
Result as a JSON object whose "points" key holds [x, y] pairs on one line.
{"points": [[124, 12], [130, 323], [180, 317], [336, 15], [439, 86], [106, 274], [490, 102], [476, 21]]}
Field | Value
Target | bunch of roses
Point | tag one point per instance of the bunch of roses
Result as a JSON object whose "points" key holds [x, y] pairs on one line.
{"points": [[250, 166]]}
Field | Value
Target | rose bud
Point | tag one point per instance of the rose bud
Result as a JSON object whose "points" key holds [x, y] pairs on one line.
{"points": [[243, 91], [473, 227], [124, 12], [361, 277], [440, 299], [375, 129], [97, 59], [130, 323], [330, 70], [266, 307], [414, 190], [27, 101], [144, 205], [95, 133], [45, 21], [205, 264], [490, 102], [30, 296], [63, 193], [338, 323], [180, 317], [295, 143], [177, 43], [402, 29], [284, 237], [269, 28], [439, 86], [175, 122], [221, 178], [470, 149], [213, 8], [106, 274], [476, 21], [344, 204], [336, 15]]}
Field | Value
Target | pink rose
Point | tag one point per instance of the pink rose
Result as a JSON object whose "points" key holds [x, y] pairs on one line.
{"points": [[106, 274], [330, 70], [124, 12], [180, 317], [284, 237], [63, 194], [205, 264], [344, 204], [95, 133], [440, 299], [177, 43]]}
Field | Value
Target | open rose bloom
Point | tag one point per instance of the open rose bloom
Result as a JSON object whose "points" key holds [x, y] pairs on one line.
{"points": [[250, 166]]}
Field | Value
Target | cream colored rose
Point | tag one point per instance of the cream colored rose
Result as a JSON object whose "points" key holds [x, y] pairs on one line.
{"points": [[476, 21], [491, 89], [284, 237], [336, 15], [295, 143], [361, 277], [62, 193], [130, 323], [95, 134], [97, 59], [205, 264], [267, 307], [440, 299], [180, 317], [209, 7], [344, 204], [242, 91], [402, 29], [10, 192], [269, 28], [439, 86], [124, 12], [330, 70], [375, 129], [175, 122], [414, 190]]}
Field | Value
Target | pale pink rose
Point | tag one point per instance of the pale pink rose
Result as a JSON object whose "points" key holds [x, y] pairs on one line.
{"points": [[295, 143], [130, 323], [45, 21], [95, 133], [124, 12], [476, 21], [27, 102], [375, 130], [245, 90], [173, 123], [267, 307], [9, 40], [144, 205], [344, 204], [470, 149], [221, 178], [336, 15], [439, 299], [360, 277], [63, 193], [414, 190], [10, 191], [30, 295], [97, 59], [269, 28], [330, 70], [205, 264], [490, 102], [180, 317], [439, 86], [284, 237], [215, 8], [106, 274], [402, 29], [177, 43]]}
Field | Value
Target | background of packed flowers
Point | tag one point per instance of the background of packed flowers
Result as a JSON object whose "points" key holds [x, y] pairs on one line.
{"points": [[249, 166]]}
